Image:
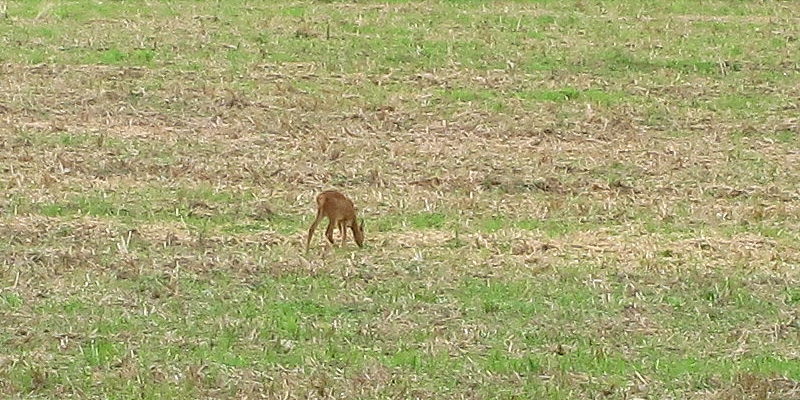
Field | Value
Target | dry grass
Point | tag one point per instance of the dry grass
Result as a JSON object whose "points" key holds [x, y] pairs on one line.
{"points": [[562, 202]]}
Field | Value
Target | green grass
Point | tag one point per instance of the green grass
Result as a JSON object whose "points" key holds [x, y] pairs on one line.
{"points": [[561, 199], [235, 320]]}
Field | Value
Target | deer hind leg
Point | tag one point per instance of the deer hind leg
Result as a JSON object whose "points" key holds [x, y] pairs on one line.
{"points": [[313, 228], [329, 231], [343, 229]]}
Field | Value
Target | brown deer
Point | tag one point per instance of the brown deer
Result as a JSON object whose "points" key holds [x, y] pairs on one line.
{"points": [[340, 212]]}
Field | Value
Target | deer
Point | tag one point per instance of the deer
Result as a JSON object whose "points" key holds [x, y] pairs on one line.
{"points": [[340, 212]]}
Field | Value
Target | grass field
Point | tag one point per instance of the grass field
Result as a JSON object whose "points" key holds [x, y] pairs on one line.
{"points": [[563, 199]]}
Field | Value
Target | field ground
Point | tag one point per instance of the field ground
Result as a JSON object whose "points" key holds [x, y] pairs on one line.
{"points": [[563, 199]]}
